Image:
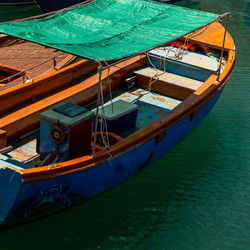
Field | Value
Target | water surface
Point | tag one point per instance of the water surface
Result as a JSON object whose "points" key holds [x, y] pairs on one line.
{"points": [[196, 197]]}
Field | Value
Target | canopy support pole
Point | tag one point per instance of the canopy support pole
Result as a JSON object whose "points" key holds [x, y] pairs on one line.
{"points": [[103, 124], [223, 47], [99, 70]]}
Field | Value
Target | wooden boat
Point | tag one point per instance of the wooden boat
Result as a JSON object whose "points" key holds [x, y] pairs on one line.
{"points": [[23, 61], [54, 5], [16, 2], [136, 108]]}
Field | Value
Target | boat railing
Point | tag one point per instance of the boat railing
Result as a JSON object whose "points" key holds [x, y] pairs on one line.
{"points": [[23, 73]]}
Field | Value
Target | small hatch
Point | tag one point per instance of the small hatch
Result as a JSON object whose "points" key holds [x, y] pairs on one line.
{"points": [[69, 109]]}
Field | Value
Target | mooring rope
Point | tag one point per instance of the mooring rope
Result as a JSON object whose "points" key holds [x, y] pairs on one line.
{"points": [[103, 121]]}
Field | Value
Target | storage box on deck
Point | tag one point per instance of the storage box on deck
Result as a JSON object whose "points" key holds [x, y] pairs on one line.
{"points": [[66, 129], [120, 116], [190, 64]]}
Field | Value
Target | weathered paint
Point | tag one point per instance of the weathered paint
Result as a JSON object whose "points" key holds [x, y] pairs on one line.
{"points": [[68, 183], [72, 189], [185, 63], [170, 77], [24, 153], [11, 181]]}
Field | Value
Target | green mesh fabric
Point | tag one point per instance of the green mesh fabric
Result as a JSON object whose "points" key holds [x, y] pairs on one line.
{"points": [[110, 29]]}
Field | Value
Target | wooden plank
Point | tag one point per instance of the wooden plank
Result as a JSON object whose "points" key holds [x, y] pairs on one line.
{"points": [[184, 110], [212, 36], [11, 99], [24, 119], [23, 56], [165, 83]]}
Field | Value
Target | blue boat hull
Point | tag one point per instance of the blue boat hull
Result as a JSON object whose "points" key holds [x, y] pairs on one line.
{"points": [[40, 198]]}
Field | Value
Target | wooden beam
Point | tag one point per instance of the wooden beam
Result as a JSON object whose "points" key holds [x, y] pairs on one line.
{"points": [[11, 99], [3, 139], [24, 119]]}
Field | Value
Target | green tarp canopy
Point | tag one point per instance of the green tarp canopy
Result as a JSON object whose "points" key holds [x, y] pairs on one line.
{"points": [[109, 29]]}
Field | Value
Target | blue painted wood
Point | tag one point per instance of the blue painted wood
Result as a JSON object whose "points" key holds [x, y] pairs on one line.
{"points": [[144, 96], [168, 77], [189, 64], [11, 182], [119, 116], [72, 189]]}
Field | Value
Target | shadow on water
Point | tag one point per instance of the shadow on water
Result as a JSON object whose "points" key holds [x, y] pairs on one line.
{"points": [[8, 13]]}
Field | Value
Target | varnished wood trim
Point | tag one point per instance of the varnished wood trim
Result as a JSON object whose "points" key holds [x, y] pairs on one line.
{"points": [[146, 134], [195, 68], [28, 92], [160, 137], [194, 114], [27, 118], [207, 91], [212, 36]]}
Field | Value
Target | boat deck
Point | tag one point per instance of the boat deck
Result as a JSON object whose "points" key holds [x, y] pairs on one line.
{"points": [[168, 88], [22, 56], [151, 106]]}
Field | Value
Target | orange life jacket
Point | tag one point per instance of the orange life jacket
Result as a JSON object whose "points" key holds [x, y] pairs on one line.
{"points": [[180, 44]]}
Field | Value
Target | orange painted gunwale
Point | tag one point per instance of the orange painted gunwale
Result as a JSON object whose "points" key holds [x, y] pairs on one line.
{"points": [[211, 37], [23, 120], [209, 89], [21, 93]]}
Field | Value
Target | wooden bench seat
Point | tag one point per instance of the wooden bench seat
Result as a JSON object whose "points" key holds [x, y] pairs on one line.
{"points": [[27, 118], [166, 83]]}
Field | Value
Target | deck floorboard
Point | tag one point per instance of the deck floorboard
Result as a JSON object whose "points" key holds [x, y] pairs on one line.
{"points": [[22, 55]]}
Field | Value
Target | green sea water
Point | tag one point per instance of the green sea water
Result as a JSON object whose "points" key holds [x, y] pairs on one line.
{"points": [[196, 197]]}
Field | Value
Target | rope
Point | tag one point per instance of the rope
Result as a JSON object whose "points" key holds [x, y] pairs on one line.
{"points": [[178, 55], [103, 122], [28, 79], [223, 46], [99, 70], [110, 89]]}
